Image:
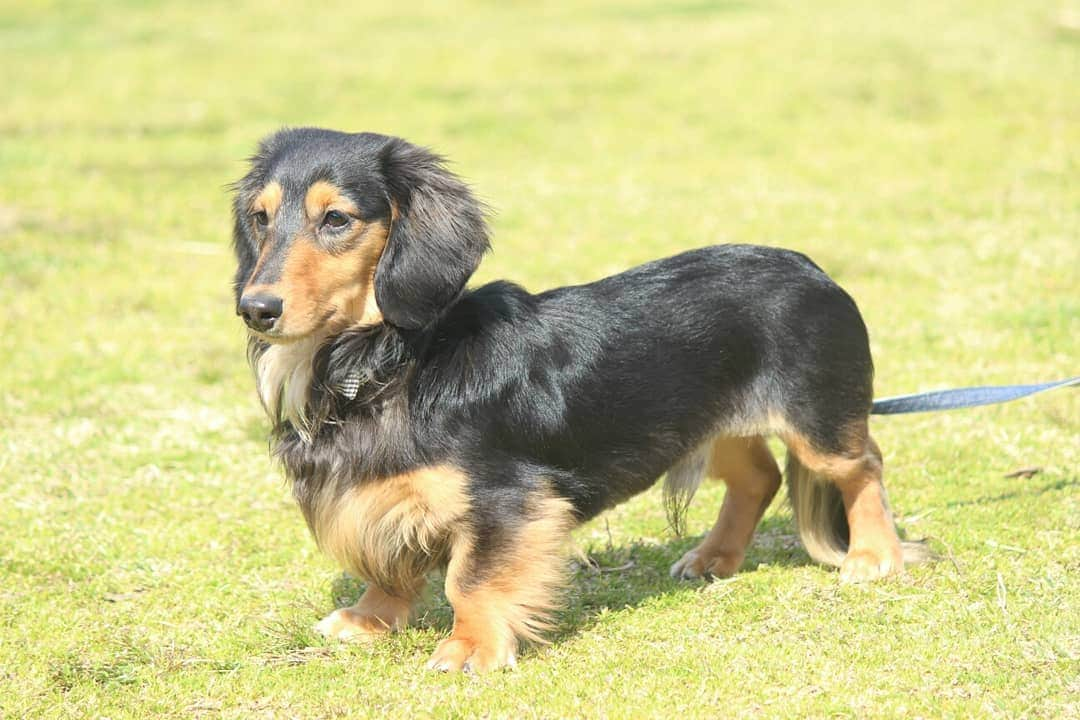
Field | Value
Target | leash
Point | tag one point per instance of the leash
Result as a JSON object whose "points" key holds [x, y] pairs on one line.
{"points": [[962, 397]]}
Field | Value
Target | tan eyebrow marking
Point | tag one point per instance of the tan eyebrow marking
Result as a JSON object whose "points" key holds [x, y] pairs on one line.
{"points": [[269, 199], [323, 195]]}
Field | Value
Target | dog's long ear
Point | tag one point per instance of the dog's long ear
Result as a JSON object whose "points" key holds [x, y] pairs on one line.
{"points": [[437, 237], [244, 191]]}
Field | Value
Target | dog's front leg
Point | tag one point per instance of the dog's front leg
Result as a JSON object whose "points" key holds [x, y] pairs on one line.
{"points": [[376, 613], [503, 581]]}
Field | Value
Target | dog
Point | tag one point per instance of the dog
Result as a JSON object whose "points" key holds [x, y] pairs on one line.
{"points": [[428, 426]]}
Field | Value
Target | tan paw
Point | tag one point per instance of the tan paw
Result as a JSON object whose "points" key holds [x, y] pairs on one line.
{"points": [[696, 564], [347, 624], [865, 565], [461, 654]]}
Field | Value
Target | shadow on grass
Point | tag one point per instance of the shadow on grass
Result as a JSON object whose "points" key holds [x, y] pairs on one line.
{"points": [[611, 578], [630, 576], [627, 576], [1024, 491]]}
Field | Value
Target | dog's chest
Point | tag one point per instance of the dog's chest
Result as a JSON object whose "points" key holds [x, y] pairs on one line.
{"points": [[390, 531]]}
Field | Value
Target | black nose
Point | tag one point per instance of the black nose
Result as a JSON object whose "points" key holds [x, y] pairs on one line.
{"points": [[260, 312]]}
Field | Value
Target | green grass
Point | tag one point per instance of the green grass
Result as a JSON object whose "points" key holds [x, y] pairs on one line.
{"points": [[927, 154]]}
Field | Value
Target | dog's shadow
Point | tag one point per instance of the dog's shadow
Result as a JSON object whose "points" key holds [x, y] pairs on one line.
{"points": [[1025, 490], [629, 576], [611, 578]]}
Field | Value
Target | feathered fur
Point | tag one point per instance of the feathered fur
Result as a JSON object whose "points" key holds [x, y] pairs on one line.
{"points": [[424, 424]]}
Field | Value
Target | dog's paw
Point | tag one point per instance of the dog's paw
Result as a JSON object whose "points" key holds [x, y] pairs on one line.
{"points": [[697, 564], [461, 654], [865, 564], [348, 625], [689, 567]]}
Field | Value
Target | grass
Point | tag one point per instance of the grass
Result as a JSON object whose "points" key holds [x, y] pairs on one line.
{"points": [[924, 153]]}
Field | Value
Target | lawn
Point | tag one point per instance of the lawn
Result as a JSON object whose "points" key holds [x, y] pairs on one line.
{"points": [[925, 153]]}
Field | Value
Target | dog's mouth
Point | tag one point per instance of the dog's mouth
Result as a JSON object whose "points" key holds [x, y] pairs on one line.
{"points": [[277, 336]]}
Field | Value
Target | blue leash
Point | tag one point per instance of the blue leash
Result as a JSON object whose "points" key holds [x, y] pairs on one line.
{"points": [[962, 397]]}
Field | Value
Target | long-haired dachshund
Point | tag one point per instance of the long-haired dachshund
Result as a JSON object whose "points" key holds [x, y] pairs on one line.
{"points": [[428, 426]]}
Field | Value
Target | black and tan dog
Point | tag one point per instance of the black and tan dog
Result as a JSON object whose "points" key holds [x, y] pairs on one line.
{"points": [[424, 425]]}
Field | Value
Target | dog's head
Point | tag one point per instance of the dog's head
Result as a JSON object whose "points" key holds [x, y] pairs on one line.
{"points": [[335, 230]]}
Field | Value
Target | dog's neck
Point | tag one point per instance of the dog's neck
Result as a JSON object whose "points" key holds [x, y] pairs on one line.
{"points": [[283, 378], [307, 383]]}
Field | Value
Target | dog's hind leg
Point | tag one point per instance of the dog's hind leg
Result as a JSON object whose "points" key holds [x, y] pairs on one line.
{"points": [[840, 506], [752, 477]]}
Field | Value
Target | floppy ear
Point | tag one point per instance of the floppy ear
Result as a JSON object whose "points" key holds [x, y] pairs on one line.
{"points": [[244, 249], [244, 190], [437, 237]]}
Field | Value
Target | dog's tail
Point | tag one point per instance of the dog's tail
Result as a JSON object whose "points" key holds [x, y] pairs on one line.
{"points": [[680, 484], [820, 518], [819, 513]]}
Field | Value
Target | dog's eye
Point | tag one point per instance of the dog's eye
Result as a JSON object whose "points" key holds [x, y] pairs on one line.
{"points": [[261, 218], [335, 219]]}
